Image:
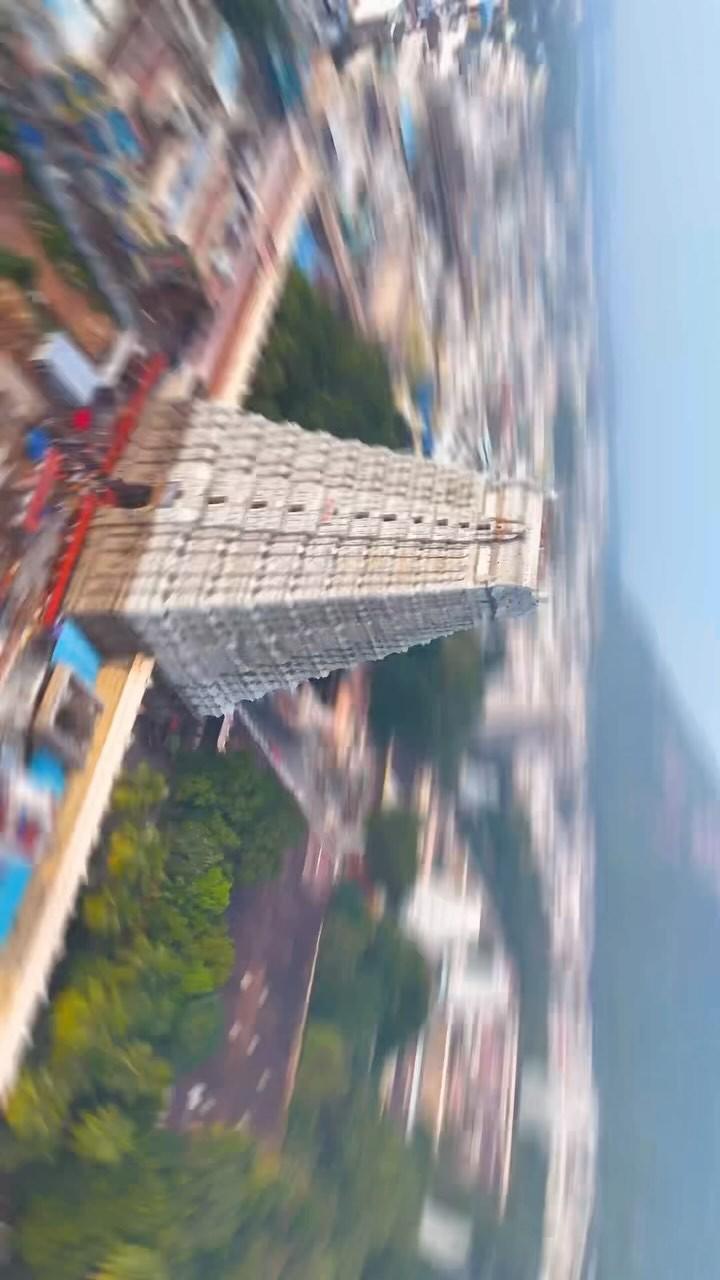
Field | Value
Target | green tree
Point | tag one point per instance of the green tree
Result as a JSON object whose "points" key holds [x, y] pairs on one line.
{"points": [[210, 962], [343, 944], [197, 1032], [380, 1186], [371, 982], [346, 992], [485, 1234], [14, 267], [103, 1136], [397, 1264], [212, 1189], [255, 20], [136, 855], [139, 792], [257, 815], [133, 1262], [348, 901], [102, 912], [264, 1256], [200, 843], [501, 845], [429, 699], [88, 1016], [132, 1071], [74, 1219], [136, 858], [405, 984], [323, 1075], [317, 371], [62, 1240], [517, 1252], [391, 851], [92, 1176], [37, 1110], [211, 891]]}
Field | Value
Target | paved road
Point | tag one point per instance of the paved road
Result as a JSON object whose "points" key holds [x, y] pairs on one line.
{"points": [[275, 928]]}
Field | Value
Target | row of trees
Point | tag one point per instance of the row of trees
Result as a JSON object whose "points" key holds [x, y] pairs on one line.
{"points": [[370, 994], [511, 1248], [500, 842], [256, 20], [391, 852], [429, 699], [371, 982], [20, 270], [315, 370], [96, 1188]]}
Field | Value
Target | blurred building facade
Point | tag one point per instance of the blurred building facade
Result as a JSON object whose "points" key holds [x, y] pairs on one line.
{"points": [[273, 555], [458, 1079]]}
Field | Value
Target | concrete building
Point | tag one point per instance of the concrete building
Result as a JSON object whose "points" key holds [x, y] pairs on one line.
{"points": [[445, 1238], [271, 554], [438, 916], [459, 1079], [28, 959]]}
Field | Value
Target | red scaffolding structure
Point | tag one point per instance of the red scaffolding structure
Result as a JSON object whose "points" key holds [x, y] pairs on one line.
{"points": [[125, 424]]}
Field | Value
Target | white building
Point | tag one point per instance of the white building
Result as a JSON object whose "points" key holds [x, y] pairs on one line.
{"points": [[271, 555], [437, 915], [459, 1079]]}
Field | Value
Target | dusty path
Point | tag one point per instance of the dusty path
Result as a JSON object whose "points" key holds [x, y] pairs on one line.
{"points": [[92, 330]]}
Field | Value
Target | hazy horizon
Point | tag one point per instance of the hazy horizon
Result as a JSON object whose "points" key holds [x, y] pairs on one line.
{"points": [[663, 243]]}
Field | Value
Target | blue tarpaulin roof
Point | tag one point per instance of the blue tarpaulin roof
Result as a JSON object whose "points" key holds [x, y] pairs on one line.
{"points": [[424, 396], [85, 82], [307, 254], [30, 136], [123, 133], [287, 77], [15, 874], [408, 133], [76, 652], [95, 137], [37, 443], [47, 772]]}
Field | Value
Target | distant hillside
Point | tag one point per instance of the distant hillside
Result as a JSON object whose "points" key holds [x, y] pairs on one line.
{"points": [[657, 969], [675, 788]]}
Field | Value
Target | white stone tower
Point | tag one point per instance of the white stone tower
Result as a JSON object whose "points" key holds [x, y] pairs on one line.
{"points": [[276, 554]]}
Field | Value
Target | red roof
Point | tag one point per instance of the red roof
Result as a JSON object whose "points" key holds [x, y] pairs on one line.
{"points": [[82, 419], [10, 166]]}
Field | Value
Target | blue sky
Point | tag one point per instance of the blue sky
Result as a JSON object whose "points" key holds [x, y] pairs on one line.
{"points": [[664, 236]]}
